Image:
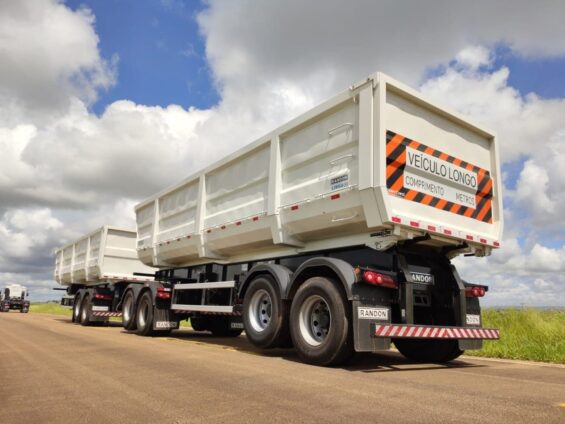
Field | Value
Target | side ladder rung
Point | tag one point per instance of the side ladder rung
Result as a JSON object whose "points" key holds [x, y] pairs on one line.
{"points": [[198, 286], [202, 308]]}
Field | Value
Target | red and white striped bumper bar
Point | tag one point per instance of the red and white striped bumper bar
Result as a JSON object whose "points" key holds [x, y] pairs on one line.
{"points": [[399, 331], [107, 314], [186, 311]]}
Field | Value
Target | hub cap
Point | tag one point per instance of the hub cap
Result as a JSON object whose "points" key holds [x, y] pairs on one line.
{"points": [[260, 310], [315, 320]]}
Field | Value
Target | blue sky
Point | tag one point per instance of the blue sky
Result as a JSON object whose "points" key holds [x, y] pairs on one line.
{"points": [[160, 50], [169, 86], [162, 55]]}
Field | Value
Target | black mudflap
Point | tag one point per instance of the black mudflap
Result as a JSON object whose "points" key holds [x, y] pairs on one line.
{"points": [[236, 323], [164, 319], [365, 317]]}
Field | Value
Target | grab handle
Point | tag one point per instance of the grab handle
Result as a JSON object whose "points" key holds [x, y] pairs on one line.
{"points": [[336, 160], [345, 124], [347, 218]]}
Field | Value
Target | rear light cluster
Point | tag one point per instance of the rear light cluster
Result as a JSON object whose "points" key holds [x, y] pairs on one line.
{"points": [[377, 279], [163, 293], [475, 291], [102, 296]]}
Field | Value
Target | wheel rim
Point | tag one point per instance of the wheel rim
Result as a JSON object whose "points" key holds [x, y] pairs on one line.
{"points": [[314, 320], [127, 309], [142, 317], [260, 310]]}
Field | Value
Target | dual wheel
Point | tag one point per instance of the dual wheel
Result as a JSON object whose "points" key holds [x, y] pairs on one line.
{"points": [[317, 322], [139, 319], [82, 310]]}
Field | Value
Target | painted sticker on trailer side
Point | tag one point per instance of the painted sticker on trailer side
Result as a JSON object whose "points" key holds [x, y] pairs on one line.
{"points": [[380, 314], [340, 182]]}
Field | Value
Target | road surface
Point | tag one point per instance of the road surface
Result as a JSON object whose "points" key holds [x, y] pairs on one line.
{"points": [[53, 371]]}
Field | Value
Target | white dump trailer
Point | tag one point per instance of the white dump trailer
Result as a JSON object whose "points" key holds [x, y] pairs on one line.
{"points": [[103, 255], [97, 261], [14, 296], [333, 233], [377, 157]]}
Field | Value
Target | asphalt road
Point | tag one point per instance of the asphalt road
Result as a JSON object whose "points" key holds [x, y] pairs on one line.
{"points": [[52, 371]]}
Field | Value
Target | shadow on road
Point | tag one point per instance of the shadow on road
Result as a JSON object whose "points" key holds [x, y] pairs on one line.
{"points": [[387, 361]]}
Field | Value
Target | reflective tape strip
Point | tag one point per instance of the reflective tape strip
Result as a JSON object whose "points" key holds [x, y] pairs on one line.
{"points": [[107, 314], [434, 332], [180, 311]]}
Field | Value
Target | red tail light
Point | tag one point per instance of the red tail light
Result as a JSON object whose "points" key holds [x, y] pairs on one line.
{"points": [[475, 291], [376, 279], [163, 293], [101, 296]]}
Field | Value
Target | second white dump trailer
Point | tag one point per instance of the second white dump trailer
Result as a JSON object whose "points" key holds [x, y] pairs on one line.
{"points": [[97, 269], [333, 233]]}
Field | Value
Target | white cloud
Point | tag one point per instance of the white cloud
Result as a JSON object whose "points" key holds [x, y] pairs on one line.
{"points": [[524, 124], [540, 188], [27, 238], [49, 54], [474, 57], [270, 61]]}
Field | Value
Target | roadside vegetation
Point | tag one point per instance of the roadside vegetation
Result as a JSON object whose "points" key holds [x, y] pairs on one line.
{"points": [[529, 334], [49, 308]]}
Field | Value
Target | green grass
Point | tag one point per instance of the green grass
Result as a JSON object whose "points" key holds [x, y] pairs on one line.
{"points": [[529, 334], [49, 308]]}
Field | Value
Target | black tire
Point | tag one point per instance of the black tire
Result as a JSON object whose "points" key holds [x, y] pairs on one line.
{"points": [[264, 330], [85, 311], [220, 327], [435, 351], [199, 323], [144, 315], [320, 323], [129, 320], [76, 309]]}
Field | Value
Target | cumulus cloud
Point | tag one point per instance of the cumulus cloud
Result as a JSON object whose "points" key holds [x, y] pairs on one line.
{"points": [[27, 237], [540, 188], [325, 45], [49, 54], [270, 61], [524, 124]]}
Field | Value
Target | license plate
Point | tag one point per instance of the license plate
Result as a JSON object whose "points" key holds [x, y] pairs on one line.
{"points": [[380, 314], [473, 319], [99, 309], [166, 324], [236, 326]]}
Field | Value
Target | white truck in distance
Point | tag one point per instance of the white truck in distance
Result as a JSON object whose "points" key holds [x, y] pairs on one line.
{"points": [[14, 296], [333, 234]]}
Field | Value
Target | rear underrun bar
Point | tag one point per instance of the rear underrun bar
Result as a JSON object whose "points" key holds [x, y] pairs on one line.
{"points": [[399, 331]]}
